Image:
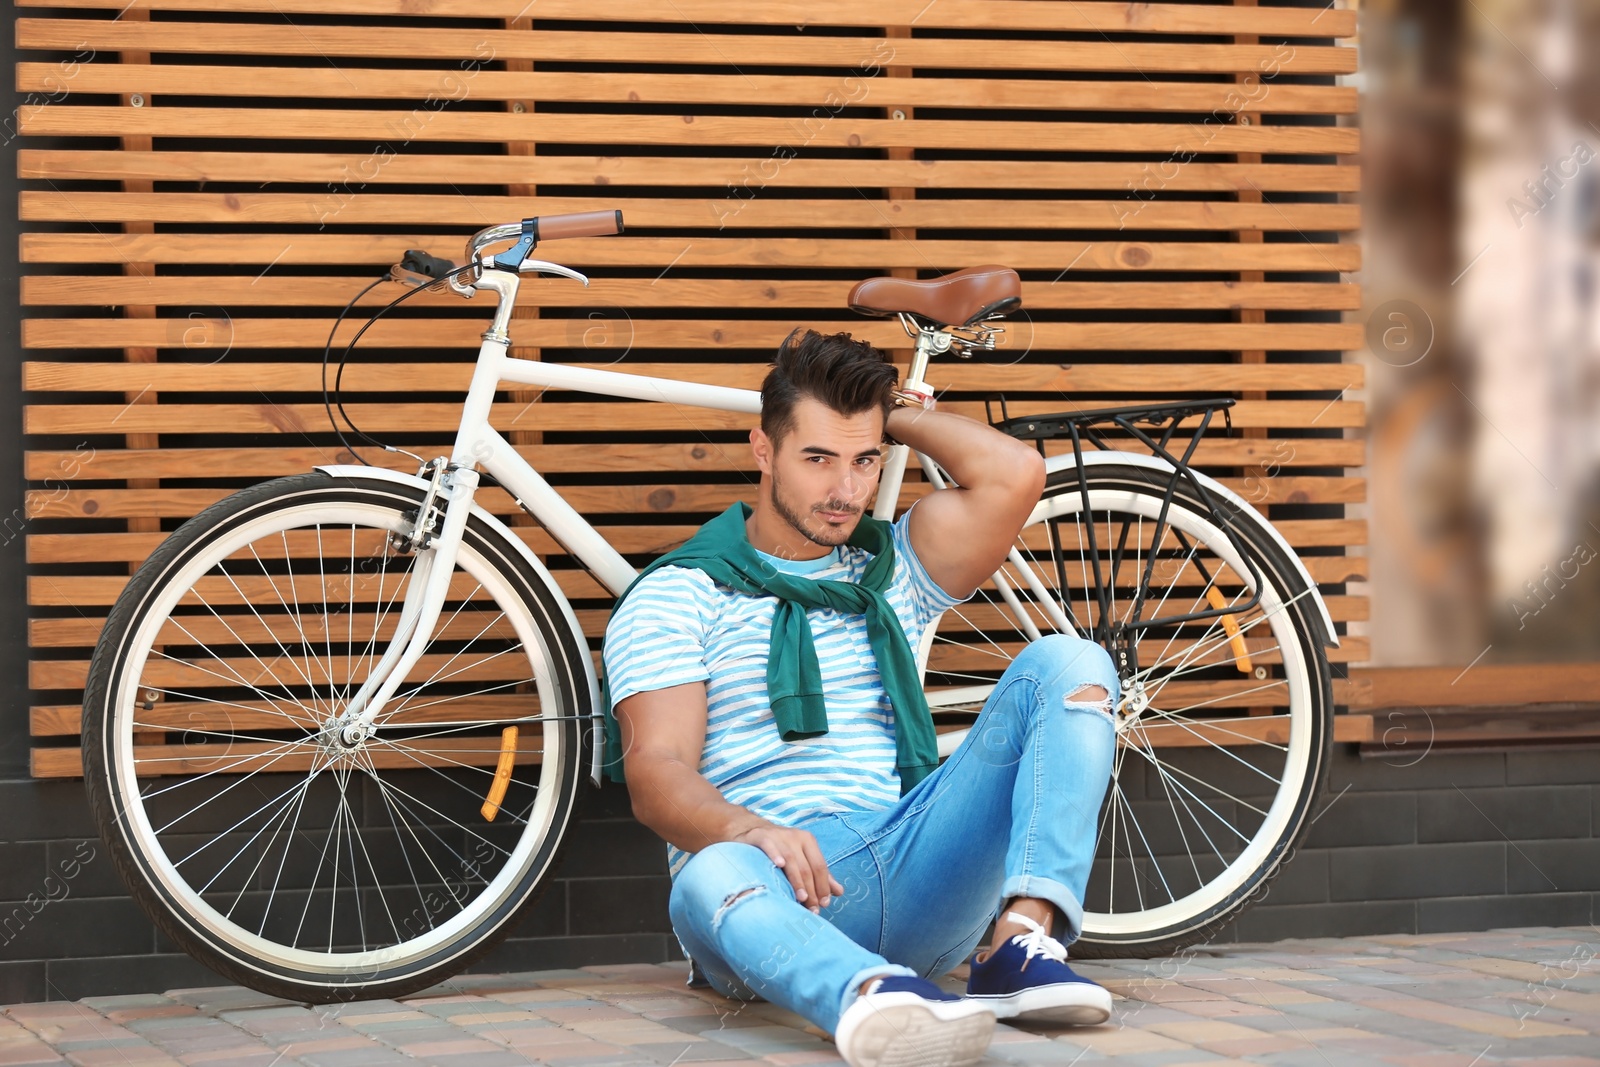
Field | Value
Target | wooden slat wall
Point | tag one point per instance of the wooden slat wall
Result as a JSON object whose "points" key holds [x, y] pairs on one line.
{"points": [[210, 180]]}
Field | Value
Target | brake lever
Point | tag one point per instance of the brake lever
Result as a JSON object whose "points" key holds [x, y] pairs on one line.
{"points": [[541, 266]]}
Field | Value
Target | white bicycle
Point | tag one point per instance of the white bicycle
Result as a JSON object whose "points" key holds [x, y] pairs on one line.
{"points": [[336, 725]]}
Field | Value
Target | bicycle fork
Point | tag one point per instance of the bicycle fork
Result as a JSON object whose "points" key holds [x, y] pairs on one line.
{"points": [[453, 484], [427, 586]]}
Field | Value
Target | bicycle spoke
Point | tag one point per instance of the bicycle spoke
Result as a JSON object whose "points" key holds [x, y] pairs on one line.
{"points": [[277, 880], [1214, 726], [1135, 567], [237, 640], [1175, 770], [1166, 787], [147, 797]]}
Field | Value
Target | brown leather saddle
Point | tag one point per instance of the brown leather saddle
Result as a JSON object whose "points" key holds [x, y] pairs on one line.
{"points": [[960, 299]]}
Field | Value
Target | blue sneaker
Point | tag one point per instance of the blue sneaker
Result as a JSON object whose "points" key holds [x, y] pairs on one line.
{"points": [[1028, 979], [910, 1022]]}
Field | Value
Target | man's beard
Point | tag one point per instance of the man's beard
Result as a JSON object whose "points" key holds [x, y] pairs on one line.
{"points": [[792, 516]]}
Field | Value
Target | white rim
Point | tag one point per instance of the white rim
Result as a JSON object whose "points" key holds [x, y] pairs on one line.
{"points": [[247, 946]]}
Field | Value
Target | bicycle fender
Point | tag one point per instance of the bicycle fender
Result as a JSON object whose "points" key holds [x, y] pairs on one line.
{"points": [[352, 470], [1241, 506]]}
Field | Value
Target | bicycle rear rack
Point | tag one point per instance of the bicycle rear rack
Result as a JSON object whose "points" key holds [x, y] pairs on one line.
{"points": [[1117, 636]]}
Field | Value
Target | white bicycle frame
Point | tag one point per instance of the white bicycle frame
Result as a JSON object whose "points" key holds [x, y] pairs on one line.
{"points": [[478, 444]]}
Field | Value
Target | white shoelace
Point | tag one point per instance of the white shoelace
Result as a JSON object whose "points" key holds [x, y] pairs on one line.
{"points": [[1037, 940]]}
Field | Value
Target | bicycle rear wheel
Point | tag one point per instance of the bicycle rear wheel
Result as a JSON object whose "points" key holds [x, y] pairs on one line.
{"points": [[1223, 726], [265, 846]]}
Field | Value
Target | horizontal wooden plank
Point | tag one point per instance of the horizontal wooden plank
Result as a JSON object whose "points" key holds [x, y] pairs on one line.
{"points": [[249, 757], [1071, 15], [66, 762], [182, 675], [694, 130], [1068, 381], [280, 37], [241, 669], [647, 540], [60, 720], [732, 294], [55, 205], [623, 334], [958, 650], [227, 629], [1492, 729], [273, 417], [953, 375], [83, 630], [64, 720], [794, 90], [1482, 684], [226, 664], [84, 591], [671, 457], [745, 175], [1234, 732], [645, 499], [671, 252]]}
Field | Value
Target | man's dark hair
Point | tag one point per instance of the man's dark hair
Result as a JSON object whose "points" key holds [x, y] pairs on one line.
{"points": [[846, 375]]}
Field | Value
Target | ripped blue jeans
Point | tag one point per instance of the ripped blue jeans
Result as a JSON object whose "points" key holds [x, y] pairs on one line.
{"points": [[1011, 813]]}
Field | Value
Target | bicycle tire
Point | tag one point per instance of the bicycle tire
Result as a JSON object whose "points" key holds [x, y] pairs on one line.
{"points": [[1150, 894], [217, 785]]}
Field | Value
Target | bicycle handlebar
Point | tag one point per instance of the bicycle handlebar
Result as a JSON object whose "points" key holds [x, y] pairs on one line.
{"points": [[547, 228], [578, 224]]}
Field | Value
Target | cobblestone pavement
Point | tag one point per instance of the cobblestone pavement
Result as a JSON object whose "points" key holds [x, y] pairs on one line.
{"points": [[1442, 1000]]}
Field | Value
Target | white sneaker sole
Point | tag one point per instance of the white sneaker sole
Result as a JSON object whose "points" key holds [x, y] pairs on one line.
{"points": [[1068, 1004], [903, 1030]]}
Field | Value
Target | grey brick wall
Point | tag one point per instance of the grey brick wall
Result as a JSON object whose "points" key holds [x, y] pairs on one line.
{"points": [[1448, 842], [69, 930], [1453, 842]]}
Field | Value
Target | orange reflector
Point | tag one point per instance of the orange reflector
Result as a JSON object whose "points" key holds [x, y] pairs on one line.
{"points": [[1231, 628], [502, 773]]}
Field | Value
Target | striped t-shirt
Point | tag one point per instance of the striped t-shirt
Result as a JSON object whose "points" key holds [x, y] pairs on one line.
{"points": [[679, 626]]}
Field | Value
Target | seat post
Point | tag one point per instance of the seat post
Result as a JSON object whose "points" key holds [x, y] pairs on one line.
{"points": [[929, 343]]}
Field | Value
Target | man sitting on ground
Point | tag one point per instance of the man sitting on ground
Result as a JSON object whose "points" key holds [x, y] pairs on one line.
{"points": [[771, 722]]}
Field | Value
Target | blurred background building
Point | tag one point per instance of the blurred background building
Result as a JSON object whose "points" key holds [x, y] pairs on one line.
{"points": [[1480, 144]]}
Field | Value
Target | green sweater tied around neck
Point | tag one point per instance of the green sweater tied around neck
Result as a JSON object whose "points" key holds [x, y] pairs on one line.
{"points": [[723, 551]]}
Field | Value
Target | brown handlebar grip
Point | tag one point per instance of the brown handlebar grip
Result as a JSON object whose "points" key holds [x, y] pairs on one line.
{"points": [[579, 224]]}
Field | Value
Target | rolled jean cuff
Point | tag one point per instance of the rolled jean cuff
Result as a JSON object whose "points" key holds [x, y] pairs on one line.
{"points": [[1066, 902], [852, 989]]}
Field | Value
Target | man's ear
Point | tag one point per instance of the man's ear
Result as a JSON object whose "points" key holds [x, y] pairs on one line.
{"points": [[763, 448]]}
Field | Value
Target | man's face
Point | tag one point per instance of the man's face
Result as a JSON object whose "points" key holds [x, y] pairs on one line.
{"points": [[824, 471]]}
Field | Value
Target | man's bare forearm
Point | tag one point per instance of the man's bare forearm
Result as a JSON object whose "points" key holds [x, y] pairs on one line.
{"points": [[974, 453], [675, 800]]}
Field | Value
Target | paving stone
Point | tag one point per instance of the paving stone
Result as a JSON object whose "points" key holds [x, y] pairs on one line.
{"points": [[498, 1058], [224, 998], [264, 1058], [685, 1051], [1523, 996], [17, 1053], [766, 1040]]}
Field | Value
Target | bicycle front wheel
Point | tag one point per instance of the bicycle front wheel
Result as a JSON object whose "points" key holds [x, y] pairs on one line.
{"points": [[266, 846], [1223, 722]]}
